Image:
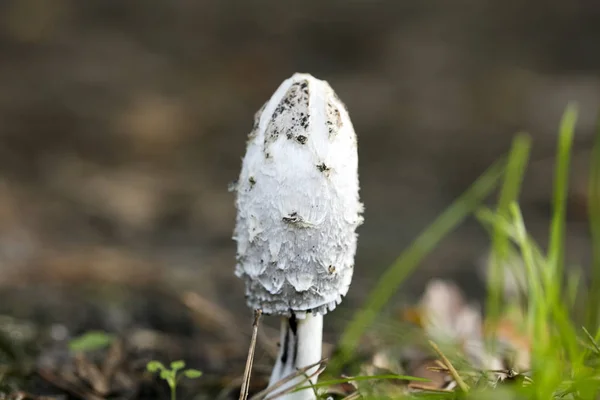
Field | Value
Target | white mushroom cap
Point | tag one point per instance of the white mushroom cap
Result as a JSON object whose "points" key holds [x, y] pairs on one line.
{"points": [[297, 201]]}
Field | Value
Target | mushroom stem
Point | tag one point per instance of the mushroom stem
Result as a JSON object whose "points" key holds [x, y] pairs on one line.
{"points": [[300, 346]]}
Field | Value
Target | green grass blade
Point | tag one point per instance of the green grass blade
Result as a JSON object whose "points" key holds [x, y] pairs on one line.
{"points": [[561, 182], [593, 205], [488, 217], [515, 170], [536, 298], [365, 378], [591, 340], [410, 258]]}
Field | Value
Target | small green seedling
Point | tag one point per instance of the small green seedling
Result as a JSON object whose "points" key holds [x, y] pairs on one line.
{"points": [[172, 375]]}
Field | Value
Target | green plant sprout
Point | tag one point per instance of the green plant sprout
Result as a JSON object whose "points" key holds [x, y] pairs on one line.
{"points": [[173, 374]]}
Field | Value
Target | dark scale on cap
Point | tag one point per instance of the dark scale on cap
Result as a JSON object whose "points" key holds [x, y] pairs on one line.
{"points": [[271, 134], [322, 167], [304, 87], [334, 119], [292, 98], [290, 117], [301, 139], [292, 218], [303, 121]]}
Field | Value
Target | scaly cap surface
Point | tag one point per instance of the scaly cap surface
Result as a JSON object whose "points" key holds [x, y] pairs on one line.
{"points": [[298, 201]]}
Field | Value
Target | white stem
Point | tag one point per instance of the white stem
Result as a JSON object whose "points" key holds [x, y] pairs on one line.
{"points": [[300, 346]]}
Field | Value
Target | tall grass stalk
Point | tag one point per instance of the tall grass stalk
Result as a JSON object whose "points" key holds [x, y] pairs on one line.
{"points": [[561, 185], [509, 193], [593, 205]]}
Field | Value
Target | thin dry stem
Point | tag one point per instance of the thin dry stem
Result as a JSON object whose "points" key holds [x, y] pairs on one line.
{"points": [[250, 360], [459, 381]]}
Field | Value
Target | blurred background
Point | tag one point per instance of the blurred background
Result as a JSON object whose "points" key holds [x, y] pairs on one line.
{"points": [[122, 123]]}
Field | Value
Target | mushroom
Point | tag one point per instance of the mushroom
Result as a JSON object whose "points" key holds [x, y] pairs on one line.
{"points": [[298, 208]]}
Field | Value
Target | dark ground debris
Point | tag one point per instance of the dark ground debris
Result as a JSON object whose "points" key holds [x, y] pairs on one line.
{"points": [[147, 324]]}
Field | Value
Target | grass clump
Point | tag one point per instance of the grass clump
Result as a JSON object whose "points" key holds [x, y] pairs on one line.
{"points": [[561, 318]]}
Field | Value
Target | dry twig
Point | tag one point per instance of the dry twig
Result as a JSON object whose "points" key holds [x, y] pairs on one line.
{"points": [[459, 381], [250, 359]]}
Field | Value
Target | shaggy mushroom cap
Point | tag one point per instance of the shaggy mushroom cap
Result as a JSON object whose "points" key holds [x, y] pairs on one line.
{"points": [[298, 201]]}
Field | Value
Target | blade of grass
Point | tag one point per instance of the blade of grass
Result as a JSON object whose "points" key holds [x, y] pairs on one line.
{"points": [[331, 382], [554, 347], [536, 298], [555, 344], [593, 205], [515, 170], [411, 257], [566, 334], [489, 217], [591, 340], [561, 183]]}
